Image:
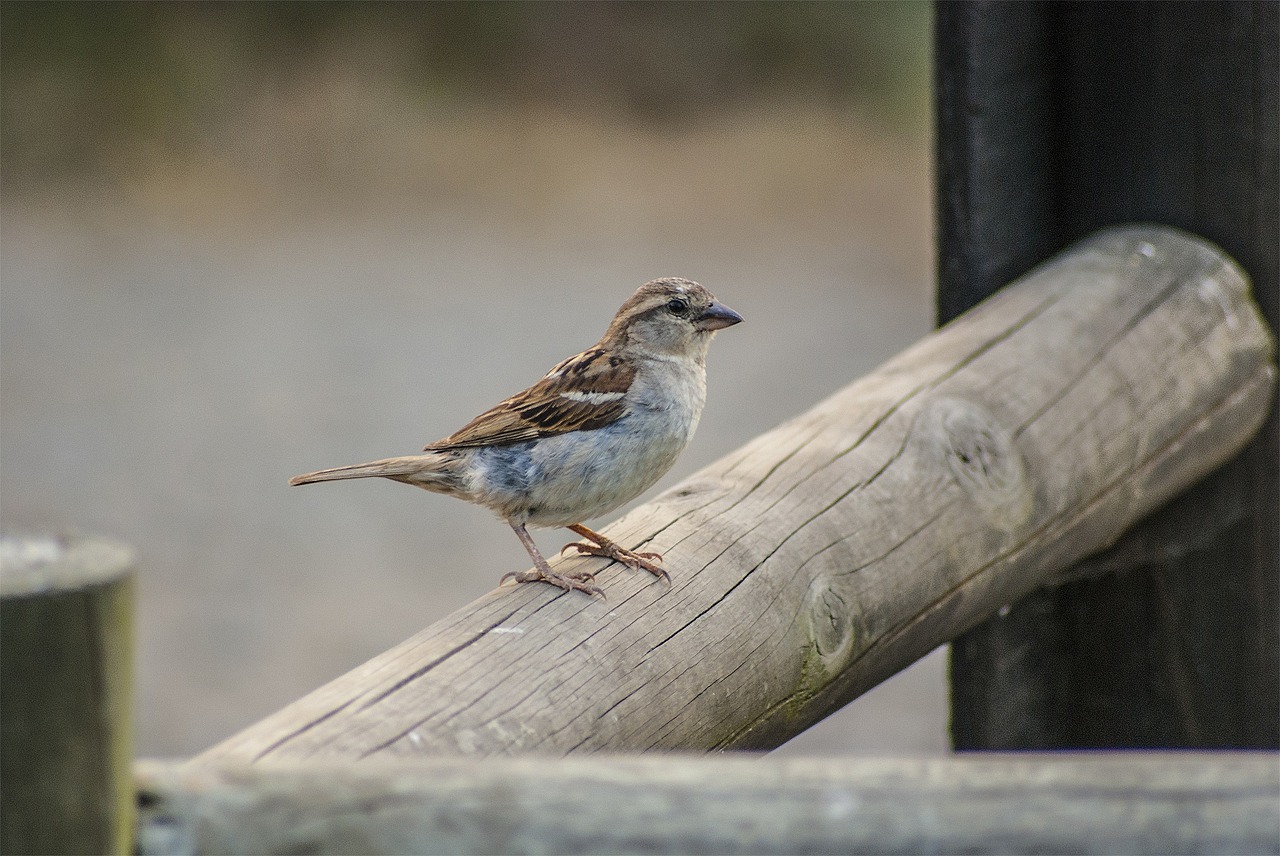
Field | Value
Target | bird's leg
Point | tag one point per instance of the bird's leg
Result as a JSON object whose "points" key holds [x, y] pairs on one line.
{"points": [[602, 546], [580, 581]]}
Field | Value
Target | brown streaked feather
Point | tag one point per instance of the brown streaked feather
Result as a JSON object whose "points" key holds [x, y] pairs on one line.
{"points": [[542, 410]]}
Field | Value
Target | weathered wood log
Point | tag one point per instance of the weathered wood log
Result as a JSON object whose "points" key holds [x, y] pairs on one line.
{"points": [[1149, 803], [66, 697], [833, 551]]}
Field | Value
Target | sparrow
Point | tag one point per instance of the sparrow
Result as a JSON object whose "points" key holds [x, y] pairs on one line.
{"points": [[595, 432]]}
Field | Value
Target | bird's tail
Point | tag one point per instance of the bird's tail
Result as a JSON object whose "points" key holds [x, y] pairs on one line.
{"points": [[423, 470]]}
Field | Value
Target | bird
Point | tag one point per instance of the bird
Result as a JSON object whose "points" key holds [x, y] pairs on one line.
{"points": [[594, 433]]}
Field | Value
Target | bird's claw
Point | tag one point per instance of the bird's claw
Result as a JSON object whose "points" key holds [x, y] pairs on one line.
{"points": [[631, 558], [578, 581]]}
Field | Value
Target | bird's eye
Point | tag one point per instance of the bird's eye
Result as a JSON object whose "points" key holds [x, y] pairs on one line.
{"points": [[676, 306]]}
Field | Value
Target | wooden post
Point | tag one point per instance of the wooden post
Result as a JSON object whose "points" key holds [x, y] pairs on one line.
{"points": [[1054, 120], [833, 551], [1149, 803], [66, 728]]}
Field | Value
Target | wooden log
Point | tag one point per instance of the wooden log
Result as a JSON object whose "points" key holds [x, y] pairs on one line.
{"points": [[66, 727], [833, 551], [1150, 803]]}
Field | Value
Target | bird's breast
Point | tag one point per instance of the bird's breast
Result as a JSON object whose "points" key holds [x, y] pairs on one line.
{"points": [[568, 478]]}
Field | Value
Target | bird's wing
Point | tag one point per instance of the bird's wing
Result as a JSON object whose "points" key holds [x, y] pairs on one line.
{"points": [[582, 393]]}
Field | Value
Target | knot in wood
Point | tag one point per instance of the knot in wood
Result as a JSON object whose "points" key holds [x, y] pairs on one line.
{"points": [[981, 456], [830, 623], [688, 489]]}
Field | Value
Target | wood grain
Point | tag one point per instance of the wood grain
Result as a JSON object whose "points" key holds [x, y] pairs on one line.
{"points": [[1152, 803], [834, 550]]}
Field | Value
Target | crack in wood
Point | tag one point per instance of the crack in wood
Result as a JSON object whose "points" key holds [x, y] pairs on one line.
{"points": [[887, 553], [710, 607], [1175, 283], [426, 667], [303, 729]]}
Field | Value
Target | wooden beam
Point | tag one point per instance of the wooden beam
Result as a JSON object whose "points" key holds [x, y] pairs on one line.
{"points": [[1150, 803], [833, 551], [66, 698]]}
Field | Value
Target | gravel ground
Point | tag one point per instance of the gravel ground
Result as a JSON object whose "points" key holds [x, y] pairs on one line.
{"points": [[175, 346]]}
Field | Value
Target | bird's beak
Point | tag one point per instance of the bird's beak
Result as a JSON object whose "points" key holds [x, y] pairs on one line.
{"points": [[716, 317]]}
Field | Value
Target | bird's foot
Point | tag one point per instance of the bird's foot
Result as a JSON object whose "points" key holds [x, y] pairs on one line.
{"points": [[602, 546], [578, 581]]}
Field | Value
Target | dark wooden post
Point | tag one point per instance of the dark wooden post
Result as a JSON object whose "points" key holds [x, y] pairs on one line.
{"points": [[66, 695], [1055, 119]]}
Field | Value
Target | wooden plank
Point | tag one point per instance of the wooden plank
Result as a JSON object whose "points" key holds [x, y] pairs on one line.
{"points": [[66, 727], [833, 551], [1150, 803], [1055, 120]]}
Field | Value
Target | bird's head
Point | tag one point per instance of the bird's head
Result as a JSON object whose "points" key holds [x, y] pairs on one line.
{"points": [[670, 316]]}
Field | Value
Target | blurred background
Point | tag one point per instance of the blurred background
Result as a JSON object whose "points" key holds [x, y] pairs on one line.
{"points": [[240, 241]]}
